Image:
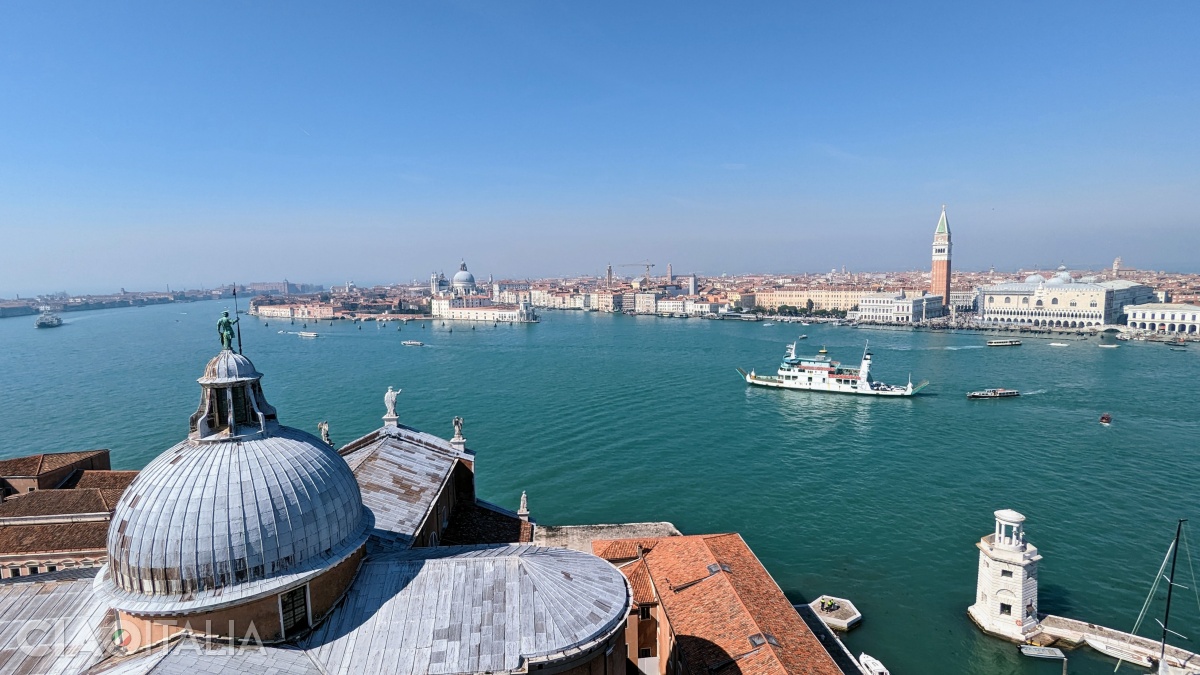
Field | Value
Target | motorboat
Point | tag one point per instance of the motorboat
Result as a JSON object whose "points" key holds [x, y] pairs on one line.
{"points": [[1108, 346], [412, 343], [994, 393], [768, 324], [1004, 343], [1059, 344], [1105, 419], [872, 665], [306, 334], [802, 337]]}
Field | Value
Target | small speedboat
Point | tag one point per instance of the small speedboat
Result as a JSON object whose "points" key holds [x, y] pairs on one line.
{"points": [[412, 343], [768, 324], [1108, 346], [872, 665], [1106, 419], [802, 337], [306, 334], [805, 323], [1059, 344]]}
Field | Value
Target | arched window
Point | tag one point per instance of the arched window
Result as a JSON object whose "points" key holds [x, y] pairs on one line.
{"points": [[1039, 303], [1093, 304], [991, 299], [1024, 301], [1072, 303], [1007, 301], [1054, 301]]}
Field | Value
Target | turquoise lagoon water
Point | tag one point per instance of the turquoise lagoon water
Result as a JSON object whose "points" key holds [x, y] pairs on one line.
{"points": [[607, 418]]}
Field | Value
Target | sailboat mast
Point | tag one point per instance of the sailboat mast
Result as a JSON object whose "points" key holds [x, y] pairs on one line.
{"points": [[1170, 588]]}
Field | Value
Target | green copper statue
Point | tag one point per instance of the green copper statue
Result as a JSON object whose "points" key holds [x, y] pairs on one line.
{"points": [[225, 330]]}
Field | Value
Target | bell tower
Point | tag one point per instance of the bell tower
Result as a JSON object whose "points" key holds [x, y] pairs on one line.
{"points": [[1006, 594], [940, 279]]}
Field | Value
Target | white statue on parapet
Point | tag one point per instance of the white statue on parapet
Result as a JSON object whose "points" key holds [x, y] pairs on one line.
{"points": [[458, 424], [389, 400]]}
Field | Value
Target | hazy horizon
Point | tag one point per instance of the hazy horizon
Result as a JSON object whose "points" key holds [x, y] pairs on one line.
{"points": [[143, 145]]}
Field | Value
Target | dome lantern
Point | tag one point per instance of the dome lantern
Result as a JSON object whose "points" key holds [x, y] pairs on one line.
{"points": [[232, 404]]}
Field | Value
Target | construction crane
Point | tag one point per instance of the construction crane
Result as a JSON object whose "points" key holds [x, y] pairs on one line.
{"points": [[645, 263]]}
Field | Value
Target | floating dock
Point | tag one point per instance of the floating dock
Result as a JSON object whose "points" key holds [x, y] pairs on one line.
{"points": [[845, 617]]}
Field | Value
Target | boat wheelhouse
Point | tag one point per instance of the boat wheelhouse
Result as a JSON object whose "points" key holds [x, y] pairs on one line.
{"points": [[820, 373]]}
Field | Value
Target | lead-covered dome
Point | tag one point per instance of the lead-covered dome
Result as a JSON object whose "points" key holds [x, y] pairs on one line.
{"points": [[244, 506]]}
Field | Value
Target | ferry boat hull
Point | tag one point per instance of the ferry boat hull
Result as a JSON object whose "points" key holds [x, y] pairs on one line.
{"points": [[823, 375]]}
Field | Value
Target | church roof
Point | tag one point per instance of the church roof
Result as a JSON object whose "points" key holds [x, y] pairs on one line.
{"points": [[204, 519], [400, 473], [498, 609], [220, 519], [63, 600]]}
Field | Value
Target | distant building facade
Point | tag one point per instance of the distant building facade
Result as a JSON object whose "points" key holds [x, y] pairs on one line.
{"points": [[1163, 317], [900, 308], [1061, 302]]}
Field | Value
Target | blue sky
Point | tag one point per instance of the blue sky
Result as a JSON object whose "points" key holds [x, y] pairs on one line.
{"points": [[146, 144]]}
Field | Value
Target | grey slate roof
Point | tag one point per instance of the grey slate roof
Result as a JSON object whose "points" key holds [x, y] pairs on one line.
{"points": [[211, 522], [471, 609], [51, 626], [401, 472], [438, 610]]}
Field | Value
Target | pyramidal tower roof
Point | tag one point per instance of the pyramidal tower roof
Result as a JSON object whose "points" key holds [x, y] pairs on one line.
{"points": [[943, 226]]}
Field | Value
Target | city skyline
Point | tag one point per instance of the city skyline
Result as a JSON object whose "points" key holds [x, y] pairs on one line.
{"points": [[539, 141]]}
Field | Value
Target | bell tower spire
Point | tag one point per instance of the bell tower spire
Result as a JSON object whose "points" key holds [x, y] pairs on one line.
{"points": [[939, 283]]}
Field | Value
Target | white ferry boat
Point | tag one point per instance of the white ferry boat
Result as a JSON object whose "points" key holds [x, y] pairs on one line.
{"points": [[1004, 343], [819, 373], [306, 334]]}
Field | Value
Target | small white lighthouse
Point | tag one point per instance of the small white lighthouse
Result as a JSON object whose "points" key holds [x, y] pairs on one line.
{"points": [[1006, 597]]}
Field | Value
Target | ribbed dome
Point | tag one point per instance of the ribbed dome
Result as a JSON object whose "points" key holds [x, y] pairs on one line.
{"points": [[1035, 279], [243, 506], [229, 366], [205, 516]]}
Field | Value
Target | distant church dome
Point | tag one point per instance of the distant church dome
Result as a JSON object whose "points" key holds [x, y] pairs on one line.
{"points": [[242, 508], [1035, 279], [463, 280], [1061, 278]]}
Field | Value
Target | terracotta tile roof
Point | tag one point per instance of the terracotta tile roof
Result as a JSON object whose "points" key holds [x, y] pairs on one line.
{"points": [[17, 539], [717, 597], [110, 480], [60, 502], [36, 465], [615, 550], [639, 580]]}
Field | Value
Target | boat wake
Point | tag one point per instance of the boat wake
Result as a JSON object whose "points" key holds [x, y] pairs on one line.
{"points": [[1032, 393], [954, 349]]}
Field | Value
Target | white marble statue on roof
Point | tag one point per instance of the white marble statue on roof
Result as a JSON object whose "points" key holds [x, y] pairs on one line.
{"points": [[389, 400]]}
